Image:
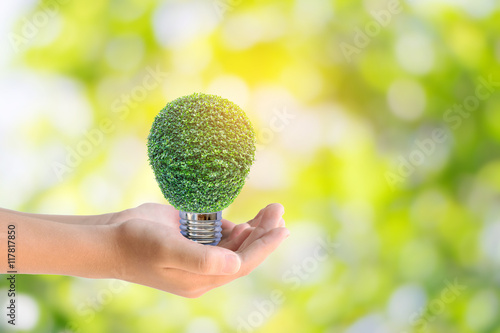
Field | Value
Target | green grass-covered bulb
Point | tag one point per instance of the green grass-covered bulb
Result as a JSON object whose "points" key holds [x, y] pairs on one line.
{"points": [[201, 148]]}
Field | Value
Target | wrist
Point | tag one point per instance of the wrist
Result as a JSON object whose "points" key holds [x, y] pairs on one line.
{"points": [[108, 251], [94, 251], [114, 238]]}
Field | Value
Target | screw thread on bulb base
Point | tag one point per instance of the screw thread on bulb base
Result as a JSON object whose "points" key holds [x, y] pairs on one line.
{"points": [[203, 228]]}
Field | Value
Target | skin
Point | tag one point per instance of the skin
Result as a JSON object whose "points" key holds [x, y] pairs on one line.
{"points": [[142, 245]]}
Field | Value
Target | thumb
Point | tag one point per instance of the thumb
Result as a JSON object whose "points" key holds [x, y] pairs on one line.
{"points": [[202, 259]]}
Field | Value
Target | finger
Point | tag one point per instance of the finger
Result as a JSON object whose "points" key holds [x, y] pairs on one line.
{"points": [[274, 211], [238, 230], [270, 219], [235, 243], [201, 259], [256, 220], [227, 224], [250, 259], [261, 248], [227, 228]]}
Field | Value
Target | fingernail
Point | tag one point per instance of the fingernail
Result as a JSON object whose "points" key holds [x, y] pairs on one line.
{"points": [[232, 264]]}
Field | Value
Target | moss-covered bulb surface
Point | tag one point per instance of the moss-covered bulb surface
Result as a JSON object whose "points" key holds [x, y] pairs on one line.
{"points": [[201, 148]]}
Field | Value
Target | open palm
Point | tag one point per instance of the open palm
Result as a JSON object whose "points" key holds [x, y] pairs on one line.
{"points": [[157, 255]]}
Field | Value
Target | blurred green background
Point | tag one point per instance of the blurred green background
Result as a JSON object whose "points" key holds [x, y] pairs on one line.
{"points": [[377, 130]]}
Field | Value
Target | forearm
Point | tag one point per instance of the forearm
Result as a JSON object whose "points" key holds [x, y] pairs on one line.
{"points": [[46, 247], [69, 219]]}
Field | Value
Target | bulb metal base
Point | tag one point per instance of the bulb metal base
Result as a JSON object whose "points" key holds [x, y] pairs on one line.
{"points": [[203, 228]]}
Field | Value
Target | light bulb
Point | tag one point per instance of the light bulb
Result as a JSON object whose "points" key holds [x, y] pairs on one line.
{"points": [[201, 148]]}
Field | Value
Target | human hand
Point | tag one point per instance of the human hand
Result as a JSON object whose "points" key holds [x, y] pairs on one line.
{"points": [[152, 251]]}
